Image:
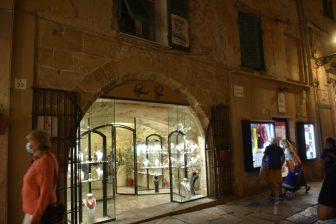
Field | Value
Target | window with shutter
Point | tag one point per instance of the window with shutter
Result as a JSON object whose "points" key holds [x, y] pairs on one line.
{"points": [[328, 9], [251, 46], [178, 27]]}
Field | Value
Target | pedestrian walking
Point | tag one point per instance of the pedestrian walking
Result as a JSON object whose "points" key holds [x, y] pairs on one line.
{"points": [[274, 158], [294, 164], [39, 182]]}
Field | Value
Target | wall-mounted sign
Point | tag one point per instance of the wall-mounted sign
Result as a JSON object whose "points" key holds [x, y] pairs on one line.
{"points": [[238, 91], [179, 31], [281, 102]]}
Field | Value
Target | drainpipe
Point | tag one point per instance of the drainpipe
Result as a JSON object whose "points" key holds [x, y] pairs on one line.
{"points": [[304, 45]]}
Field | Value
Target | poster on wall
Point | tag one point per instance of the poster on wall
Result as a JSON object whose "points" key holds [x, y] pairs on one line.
{"points": [[48, 124], [179, 31], [256, 137]]}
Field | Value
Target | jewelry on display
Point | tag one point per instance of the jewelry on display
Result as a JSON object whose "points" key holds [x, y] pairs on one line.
{"points": [[145, 162], [99, 173], [99, 155], [157, 162], [90, 201]]}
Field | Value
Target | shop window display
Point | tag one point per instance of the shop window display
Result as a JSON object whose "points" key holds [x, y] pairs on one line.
{"points": [[125, 151]]}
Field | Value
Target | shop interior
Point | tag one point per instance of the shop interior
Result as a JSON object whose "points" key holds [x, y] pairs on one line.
{"points": [[133, 154]]}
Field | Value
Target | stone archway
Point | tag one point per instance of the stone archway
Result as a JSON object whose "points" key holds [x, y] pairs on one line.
{"points": [[108, 76]]}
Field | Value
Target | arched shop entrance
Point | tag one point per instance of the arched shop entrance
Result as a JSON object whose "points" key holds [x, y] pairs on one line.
{"points": [[153, 152]]}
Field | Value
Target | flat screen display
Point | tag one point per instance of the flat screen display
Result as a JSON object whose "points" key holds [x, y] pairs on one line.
{"points": [[309, 136], [261, 134]]}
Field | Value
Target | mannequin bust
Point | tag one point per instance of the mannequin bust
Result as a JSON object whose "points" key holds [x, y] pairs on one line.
{"points": [[90, 204]]}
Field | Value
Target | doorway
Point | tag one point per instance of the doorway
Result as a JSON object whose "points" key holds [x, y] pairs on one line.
{"points": [[134, 153]]}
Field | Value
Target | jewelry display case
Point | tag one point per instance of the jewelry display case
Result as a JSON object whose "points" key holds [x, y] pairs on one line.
{"points": [[153, 166]]}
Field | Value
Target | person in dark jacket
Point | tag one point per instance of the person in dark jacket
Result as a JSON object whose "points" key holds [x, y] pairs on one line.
{"points": [[329, 154], [274, 158]]}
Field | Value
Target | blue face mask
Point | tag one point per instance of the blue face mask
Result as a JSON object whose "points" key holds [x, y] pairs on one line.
{"points": [[28, 148]]}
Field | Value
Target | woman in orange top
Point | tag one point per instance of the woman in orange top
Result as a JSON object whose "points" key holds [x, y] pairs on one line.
{"points": [[39, 182]]}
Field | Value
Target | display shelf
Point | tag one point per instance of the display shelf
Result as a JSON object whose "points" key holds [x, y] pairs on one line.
{"points": [[93, 180], [93, 162], [154, 167]]}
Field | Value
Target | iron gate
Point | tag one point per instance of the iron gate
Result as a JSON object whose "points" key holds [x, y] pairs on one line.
{"points": [[56, 112], [219, 161]]}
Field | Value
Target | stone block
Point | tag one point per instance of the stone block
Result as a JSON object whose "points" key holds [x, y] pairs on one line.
{"points": [[90, 84], [63, 59], [70, 79], [47, 77], [111, 69], [98, 46], [58, 36], [45, 56], [87, 63]]}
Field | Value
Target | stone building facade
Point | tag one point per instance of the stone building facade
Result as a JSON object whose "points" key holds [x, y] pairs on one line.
{"points": [[78, 46]]}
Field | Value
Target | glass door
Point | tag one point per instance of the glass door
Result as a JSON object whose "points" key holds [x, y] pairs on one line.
{"points": [[179, 182], [187, 155], [124, 146], [95, 172]]}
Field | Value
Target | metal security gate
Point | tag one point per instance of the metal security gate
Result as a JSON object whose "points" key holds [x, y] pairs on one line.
{"points": [[56, 112], [219, 161]]}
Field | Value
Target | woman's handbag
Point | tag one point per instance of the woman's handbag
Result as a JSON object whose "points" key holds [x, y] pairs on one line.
{"points": [[53, 214]]}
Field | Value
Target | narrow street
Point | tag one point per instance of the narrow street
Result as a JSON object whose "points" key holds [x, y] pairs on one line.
{"points": [[259, 209]]}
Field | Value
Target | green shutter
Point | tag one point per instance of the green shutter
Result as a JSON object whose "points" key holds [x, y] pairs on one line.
{"points": [[178, 31], [138, 11], [251, 46]]}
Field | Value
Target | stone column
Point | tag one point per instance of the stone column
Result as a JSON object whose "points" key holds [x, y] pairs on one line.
{"points": [[6, 37]]}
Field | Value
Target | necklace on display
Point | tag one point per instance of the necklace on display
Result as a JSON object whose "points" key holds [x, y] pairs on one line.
{"points": [[91, 204]]}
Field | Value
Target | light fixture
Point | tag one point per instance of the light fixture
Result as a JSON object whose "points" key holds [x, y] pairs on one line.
{"points": [[323, 60]]}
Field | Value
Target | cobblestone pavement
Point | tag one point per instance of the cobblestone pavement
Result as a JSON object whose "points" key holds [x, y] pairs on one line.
{"points": [[258, 209]]}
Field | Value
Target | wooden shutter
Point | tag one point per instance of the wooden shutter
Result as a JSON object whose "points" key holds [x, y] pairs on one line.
{"points": [[328, 9], [251, 47], [178, 24]]}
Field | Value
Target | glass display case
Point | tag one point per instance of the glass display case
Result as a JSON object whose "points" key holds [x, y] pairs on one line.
{"points": [[256, 137], [153, 166]]}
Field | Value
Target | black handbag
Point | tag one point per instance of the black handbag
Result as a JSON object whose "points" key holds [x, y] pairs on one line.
{"points": [[53, 214]]}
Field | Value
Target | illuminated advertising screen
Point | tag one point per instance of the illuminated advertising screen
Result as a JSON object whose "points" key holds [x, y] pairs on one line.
{"points": [[309, 137], [256, 137], [306, 141]]}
